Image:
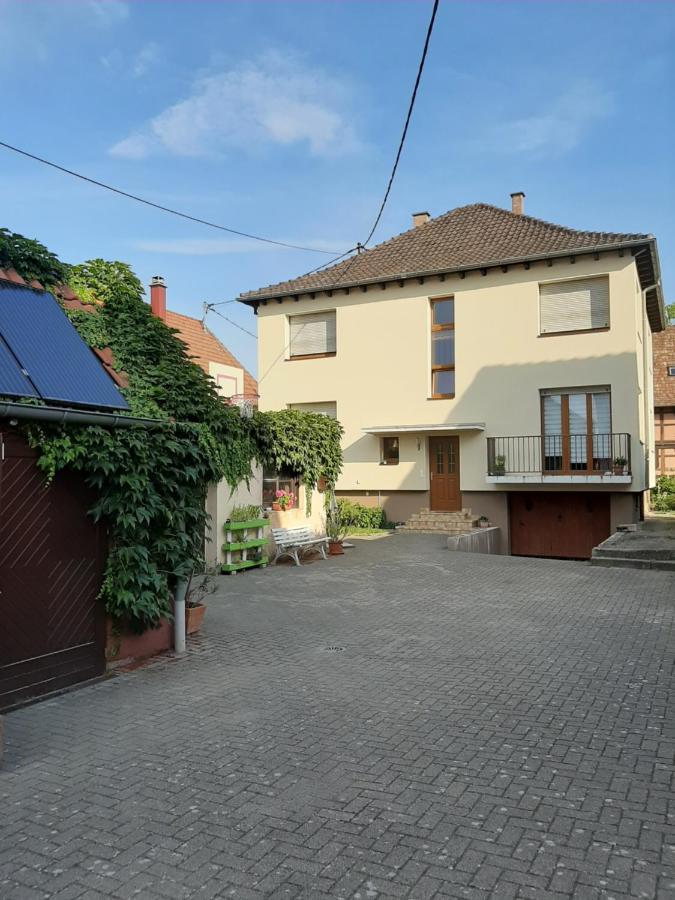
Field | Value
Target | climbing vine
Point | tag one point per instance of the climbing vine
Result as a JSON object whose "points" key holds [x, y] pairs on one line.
{"points": [[302, 443], [149, 482]]}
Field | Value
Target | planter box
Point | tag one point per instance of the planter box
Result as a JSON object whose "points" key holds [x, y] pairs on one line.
{"points": [[241, 539], [194, 616], [125, 647]]}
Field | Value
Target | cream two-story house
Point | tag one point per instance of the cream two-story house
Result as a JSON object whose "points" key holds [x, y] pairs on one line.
{"points": [[482, 360]]}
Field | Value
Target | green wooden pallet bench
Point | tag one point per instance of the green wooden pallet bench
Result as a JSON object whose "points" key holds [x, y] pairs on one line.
{"points": [[240, 539]]}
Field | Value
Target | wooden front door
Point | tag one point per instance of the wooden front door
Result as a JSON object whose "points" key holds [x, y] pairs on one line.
{"points": [[444, 473], [52, 557]]}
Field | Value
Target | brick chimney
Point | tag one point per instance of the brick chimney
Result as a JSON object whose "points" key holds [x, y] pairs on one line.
{"points": [[158, 297], [420, 218], [517, 203]]}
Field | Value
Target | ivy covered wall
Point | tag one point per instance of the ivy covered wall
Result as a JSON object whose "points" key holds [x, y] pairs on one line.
{"points": [[150, 483]]}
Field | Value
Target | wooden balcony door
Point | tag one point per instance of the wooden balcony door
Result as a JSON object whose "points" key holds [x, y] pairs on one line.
{"points": [[576, 432], [444, 474]]}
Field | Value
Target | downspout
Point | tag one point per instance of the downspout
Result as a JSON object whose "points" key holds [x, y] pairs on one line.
{"points": [[179, 616]]}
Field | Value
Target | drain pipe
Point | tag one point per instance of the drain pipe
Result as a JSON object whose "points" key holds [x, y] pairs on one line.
{"points": [[179, 616]]}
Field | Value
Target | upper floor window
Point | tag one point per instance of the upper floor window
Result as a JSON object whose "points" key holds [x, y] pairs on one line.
{"points": [[312, 334], [443, 347], [581, 304], [390, 451], [329, 408]]}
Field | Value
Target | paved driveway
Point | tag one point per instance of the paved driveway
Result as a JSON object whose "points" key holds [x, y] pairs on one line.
{"points": [[492, 727]]}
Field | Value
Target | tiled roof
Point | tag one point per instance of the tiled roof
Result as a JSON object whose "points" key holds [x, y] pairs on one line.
{"points": [[663, 351], [204, 347], [467, 237]]}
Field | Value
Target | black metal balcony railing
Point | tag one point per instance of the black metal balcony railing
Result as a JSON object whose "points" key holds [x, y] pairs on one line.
{"points": [[558, 454]]}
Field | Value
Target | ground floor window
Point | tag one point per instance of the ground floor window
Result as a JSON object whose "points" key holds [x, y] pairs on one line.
{"points": [[390, 451], [276, 481]]}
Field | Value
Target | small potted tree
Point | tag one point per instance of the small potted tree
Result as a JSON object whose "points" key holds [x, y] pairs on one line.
{"points": [[336, 531], [499, 465], [483, 522], [197, 590], [620, 464]]}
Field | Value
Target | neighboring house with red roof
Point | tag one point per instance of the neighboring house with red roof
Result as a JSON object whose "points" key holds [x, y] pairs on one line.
{"points": [[231, 378], [664, 400], [233, 381], [482, 363]]}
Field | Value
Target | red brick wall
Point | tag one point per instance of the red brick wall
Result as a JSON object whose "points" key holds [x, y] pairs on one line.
{"points": [[663, 344]]}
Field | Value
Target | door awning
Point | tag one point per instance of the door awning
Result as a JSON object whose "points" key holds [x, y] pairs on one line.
{"points": [[443, 428]]}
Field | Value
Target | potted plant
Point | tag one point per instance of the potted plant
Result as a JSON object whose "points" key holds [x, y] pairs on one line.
{"points": [[483, 522], [336, 531], [620, 464], [283, 500], [499, 465], [197, 591]]}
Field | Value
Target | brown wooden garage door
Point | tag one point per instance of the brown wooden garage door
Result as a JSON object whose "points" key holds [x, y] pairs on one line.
{"points": [[52, 554], [558, 525]]}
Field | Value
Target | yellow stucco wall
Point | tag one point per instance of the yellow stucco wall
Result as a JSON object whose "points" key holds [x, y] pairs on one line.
{"points": [[380, 374]]}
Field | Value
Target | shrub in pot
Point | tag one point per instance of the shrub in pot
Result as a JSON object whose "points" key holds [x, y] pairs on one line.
{"points": [[620, 465], [336, 531], [197, 590], [483, 522]]}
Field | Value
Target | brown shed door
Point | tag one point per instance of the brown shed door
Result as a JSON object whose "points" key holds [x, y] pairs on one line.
{"points": [[444, 473], [51, 566], [558, 525]]}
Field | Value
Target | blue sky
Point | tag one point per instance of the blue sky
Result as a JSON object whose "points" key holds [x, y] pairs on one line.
{"points": [[281, 118]]}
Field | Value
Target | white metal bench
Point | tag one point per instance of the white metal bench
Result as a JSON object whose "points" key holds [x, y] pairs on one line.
{"points": [[294, 542]]}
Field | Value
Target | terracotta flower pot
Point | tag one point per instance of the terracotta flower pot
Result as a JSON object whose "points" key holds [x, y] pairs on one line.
{"points": [[194, 616], [483, 524], [335, 548], [276, 507]]}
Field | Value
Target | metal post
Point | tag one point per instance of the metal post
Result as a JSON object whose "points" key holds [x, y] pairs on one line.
{"points": [[179, 616]]}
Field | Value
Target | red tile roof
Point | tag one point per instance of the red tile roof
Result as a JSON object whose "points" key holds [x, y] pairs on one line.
{"points": [[204, 347], [663, 350], [474, 236]]}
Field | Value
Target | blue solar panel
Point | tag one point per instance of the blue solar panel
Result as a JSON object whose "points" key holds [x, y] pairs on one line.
{"points": [[13, 383], [47, 346]]}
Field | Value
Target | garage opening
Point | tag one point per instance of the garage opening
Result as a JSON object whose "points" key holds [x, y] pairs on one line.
{"points": [[558, 525]]}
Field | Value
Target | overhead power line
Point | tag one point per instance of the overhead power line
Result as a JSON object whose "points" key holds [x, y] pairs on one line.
{"points": [[232, 322], [401, 143], [411, 106], [166, 209]]}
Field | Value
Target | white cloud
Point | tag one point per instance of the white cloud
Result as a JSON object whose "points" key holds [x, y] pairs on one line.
{"points": [[565, 123], [37, 29], [223, 246], [146, 58], [106, 12], [273, 100]]}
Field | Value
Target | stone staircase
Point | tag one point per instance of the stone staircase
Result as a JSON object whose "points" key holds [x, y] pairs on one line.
{"points": [[428, 521]]}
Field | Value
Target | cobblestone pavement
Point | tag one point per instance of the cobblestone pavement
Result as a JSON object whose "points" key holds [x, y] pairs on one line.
{"points": [[491, 728]]}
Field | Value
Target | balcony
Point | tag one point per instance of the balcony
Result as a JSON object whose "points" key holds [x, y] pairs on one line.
{"points": [[559, 459]]}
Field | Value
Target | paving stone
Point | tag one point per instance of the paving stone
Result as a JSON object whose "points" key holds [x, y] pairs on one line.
{"points": [[494, 728]]}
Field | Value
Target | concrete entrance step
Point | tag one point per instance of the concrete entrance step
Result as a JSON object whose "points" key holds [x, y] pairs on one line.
{"points": [[650, 546]]}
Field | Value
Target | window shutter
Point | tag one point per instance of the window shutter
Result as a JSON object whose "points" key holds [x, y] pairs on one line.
{"points": [[314, 333], [576, 305]]}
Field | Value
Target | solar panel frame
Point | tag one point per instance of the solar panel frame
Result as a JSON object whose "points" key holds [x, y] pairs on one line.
{"points": [[13, 382], [62, 368]]}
